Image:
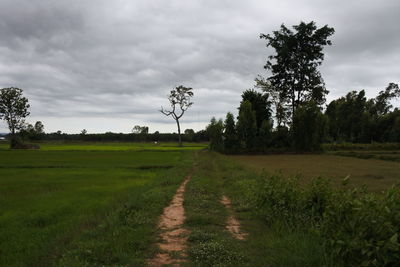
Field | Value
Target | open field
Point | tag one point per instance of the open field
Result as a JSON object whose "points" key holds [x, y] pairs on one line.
{"points": [[391, 155], [88, 204], [377, 175], [84, 207], [87, 146]]}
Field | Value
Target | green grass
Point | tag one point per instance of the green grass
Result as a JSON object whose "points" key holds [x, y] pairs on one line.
{"points": [[391, 155], [266, 245], [74, 207], [109, 146], [376, 175]]}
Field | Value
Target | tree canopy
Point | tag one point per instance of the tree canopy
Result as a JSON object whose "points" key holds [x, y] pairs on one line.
{"points": [[13, 109], [294, 66]]}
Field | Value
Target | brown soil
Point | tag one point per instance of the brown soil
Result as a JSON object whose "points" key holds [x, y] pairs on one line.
{"points": [[173, 236], [232, 224]]}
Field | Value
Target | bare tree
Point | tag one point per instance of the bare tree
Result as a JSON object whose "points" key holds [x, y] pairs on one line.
{"points": [[179, 98]]}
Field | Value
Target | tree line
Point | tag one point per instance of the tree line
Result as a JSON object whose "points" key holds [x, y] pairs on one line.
{"points": [[286, 110]]}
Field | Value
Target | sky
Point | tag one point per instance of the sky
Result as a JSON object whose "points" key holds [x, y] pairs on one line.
{"points": [[109, 65]]}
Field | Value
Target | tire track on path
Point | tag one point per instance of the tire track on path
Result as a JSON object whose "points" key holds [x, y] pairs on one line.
{"points": [[173, 236]]}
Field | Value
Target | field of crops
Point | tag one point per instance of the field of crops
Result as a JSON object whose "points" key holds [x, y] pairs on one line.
{"points": [[51, 197], [99, 204]]}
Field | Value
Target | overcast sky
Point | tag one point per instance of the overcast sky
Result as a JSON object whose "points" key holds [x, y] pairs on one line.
{"points": [[108, 65]]}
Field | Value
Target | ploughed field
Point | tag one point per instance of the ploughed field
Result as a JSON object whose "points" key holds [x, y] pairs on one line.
{"points": [[57, 201], [375, 173]]}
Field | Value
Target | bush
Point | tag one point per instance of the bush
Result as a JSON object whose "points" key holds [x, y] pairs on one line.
{"points": [[358, 228]]}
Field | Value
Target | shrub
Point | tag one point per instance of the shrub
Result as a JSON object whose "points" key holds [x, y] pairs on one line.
{"points": [[358, 228]]}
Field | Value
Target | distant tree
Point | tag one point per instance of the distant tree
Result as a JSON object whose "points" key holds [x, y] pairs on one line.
{"points": [[230, 134], [137, 129], [215, 132], [13, 109], [381, 104], [347, 117], [179, 99], [39, 128], [294, 66], [84, 132], [247, 125], [189, 133]]}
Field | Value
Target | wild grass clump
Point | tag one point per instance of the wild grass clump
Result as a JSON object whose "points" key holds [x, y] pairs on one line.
{"points": [[357, 228]]}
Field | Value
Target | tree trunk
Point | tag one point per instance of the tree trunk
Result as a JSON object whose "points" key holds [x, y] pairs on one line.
{"points": [[179, 132]]}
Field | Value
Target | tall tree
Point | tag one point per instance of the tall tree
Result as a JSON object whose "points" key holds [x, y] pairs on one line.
{"points": [[260, 105], [215, 133], [179, 98], [247, 125], [230, 134], [309, 126], [294, 65], [13, 109]]}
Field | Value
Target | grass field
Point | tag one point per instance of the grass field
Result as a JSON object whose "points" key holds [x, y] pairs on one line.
{"points": [[88, 146], [376, 174], [53, 202], [98, 204]]}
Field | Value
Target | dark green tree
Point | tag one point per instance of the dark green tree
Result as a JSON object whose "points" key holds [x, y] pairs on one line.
{"points": [[260, 105], [381, 104], [39, 128], [309, 126], [265, 134], [13, 109], [137, 129], [215, 132], [247, 125], [180, 100], [230, 134], [189, 133], [294, 66]]}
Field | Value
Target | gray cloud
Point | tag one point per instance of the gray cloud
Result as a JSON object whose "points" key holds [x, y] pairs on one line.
{"points": [[108, 65]]}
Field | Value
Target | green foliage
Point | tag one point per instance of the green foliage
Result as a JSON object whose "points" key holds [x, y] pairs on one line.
{"points": [[308, 128], [247, 125], [13, 109], [354, 118], [230, 134], [363, 229], [295, 76], [260, 105], [215, 132], [137, 129], [265, 135], [358, 228]]}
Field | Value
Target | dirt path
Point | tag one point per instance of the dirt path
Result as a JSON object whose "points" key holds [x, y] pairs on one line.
{"points": [[173, 236], [232, 224]]}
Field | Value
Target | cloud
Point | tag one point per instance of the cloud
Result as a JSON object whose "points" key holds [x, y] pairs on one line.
{"points": [[83, 62]]}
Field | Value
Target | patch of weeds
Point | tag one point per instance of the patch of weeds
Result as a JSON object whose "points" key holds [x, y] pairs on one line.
{"points": [[214, 253], [201, 236]]}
